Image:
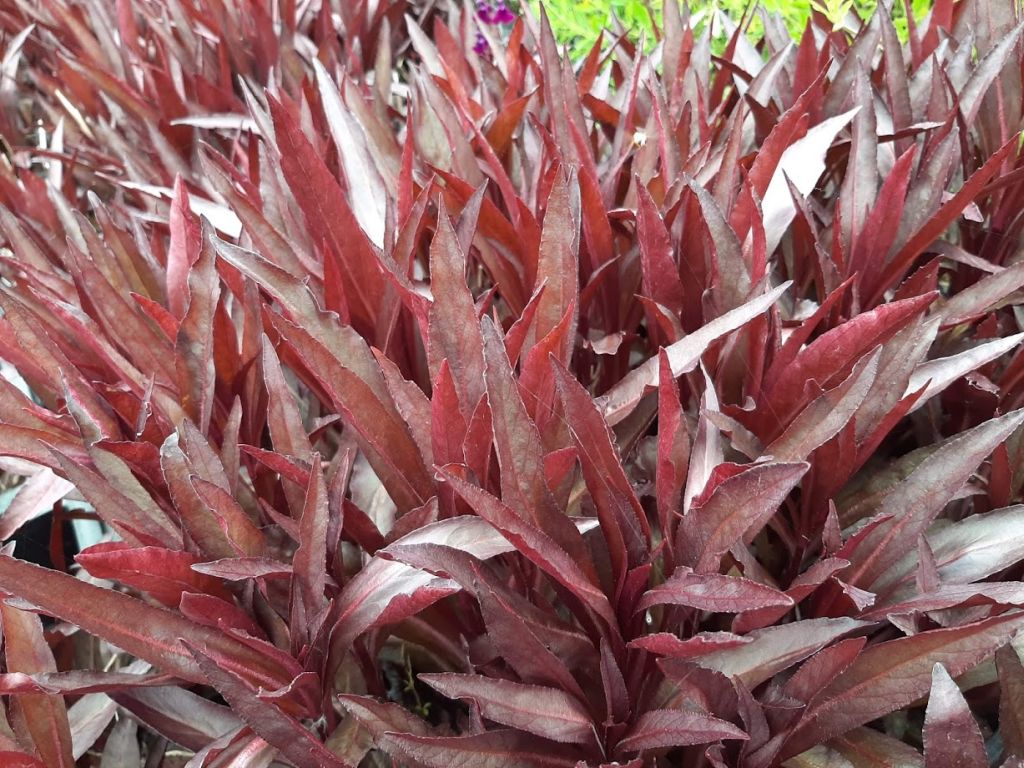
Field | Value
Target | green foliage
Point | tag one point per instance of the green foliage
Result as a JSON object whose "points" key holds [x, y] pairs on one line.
{"points": [[577, 23]]}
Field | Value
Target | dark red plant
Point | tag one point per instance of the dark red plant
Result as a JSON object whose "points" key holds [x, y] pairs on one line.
{"points": [[438, 409]]}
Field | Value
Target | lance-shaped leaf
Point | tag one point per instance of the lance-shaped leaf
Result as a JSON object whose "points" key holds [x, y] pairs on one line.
{"points": [[774, 649], [35, 497], [660, 274], [951, 736], [26, 651], [661, 728], [406, 737], [967, 551], [936, 224], [519, 449], [891, 675], [1011, 699], [186, 242], [200, 526], [178, 715], [81, 681], [934, 376], [732, 273], [922, 495], [800, 165], [683, 356], [820, 670], [831, 355], [328, 215], [946, 596], [713, 592], [194, 346], [369, 597], [826, 416], [164, 574], [453, 319], [360, 396], [623, 520], [117, 509], [366, 190], [986, 293], [988, 69], [859, 189], [519, 643], [310, 561], [142, 630], [673, 450], [546, 712], [534, 545], [284, 418], [735, 511], [279, 729], [557, 266], [701, 644]]}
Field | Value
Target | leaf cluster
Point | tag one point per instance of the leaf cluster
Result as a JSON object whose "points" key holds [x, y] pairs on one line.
{"points": [[443, 409]]}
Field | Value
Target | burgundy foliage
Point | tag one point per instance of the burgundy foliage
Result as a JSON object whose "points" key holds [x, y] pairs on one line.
{"points": [[449, 409]]}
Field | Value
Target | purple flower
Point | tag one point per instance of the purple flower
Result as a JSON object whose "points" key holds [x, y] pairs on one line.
{"points": [[503, 15], [494, 12], [484, 12], [481, 46]]}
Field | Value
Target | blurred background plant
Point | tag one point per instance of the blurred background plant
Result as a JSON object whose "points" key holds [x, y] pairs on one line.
{"points": [[577, 23]]}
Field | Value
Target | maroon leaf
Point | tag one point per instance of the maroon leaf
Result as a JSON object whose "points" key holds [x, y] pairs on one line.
{"points": [[669, 728], [186, 242], [734, 512], [178, 715], [410, 739], [194, 345], [660, 276], [828, 359], [938, 223], [666, 644], [80, 682], [683, 356], [367, 597], [162, 573], [546, 712], [453, 318], [891, 675], [1011, 700], [623, 520], [149, 633], [310, 559], [826, 416], [519, 449], [923, 495], [279, 729], [283, 418], [712, 592], [327, 214], [36, 496], [951, 737], [26, 651], [356, 387], [773, 649], [535, 545]]}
